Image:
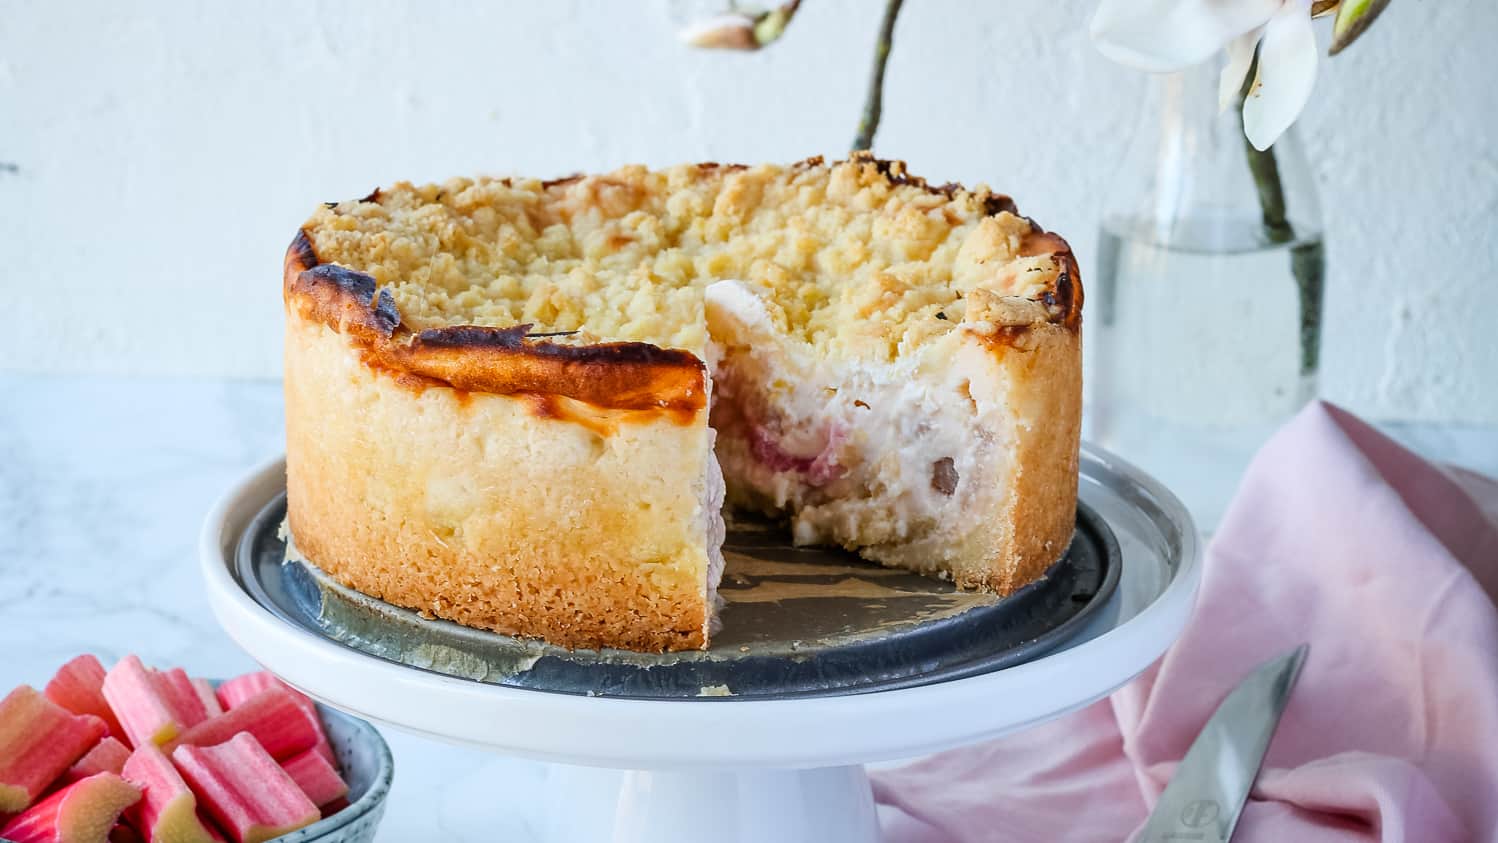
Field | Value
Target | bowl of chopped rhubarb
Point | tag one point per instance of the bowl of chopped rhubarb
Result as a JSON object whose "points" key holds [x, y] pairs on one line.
{"points": [[138, 755]]}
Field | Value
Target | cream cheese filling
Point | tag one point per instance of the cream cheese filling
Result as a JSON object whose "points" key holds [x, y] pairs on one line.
{"points": [[860, 454]]}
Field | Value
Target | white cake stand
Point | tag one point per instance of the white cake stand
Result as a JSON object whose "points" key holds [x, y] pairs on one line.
{"points": [[737, 770]]}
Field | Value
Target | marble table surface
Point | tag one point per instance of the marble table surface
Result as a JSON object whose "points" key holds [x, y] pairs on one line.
{"points": [[103, 486]]}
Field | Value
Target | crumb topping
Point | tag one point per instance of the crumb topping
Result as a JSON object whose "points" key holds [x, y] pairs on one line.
{"points": [[846, 257]]}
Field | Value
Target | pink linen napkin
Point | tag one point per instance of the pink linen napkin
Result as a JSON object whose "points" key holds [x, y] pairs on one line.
{"points": [[1387, 565]]}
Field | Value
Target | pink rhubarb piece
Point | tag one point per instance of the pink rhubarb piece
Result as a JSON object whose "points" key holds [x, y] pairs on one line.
{"points": [[168, 809], [233, 692], [316, 777], [178, 691], [39, 739], [107, 756], [238, 690], [273, 717], [245, 790], [79, 688], [136, 695], [214, 831], [207, 696], [83, 812]]}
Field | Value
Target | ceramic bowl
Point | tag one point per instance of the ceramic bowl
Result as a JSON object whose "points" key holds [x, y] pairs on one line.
{"points": [[368, 767]]}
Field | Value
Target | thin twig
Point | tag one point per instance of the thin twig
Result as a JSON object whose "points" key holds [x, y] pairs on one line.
{"points": [[1306, 263], [1266, 172], [874, 100]]}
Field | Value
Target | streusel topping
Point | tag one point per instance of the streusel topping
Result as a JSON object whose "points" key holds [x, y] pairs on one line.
{"points": [[848, 258]]}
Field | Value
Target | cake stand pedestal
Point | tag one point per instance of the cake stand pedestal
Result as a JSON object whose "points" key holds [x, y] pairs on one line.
{"points": [[732, 769], [832, 804]]}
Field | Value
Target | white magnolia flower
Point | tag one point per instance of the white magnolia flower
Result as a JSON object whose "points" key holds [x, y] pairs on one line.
{"points": [[1168, 35]]}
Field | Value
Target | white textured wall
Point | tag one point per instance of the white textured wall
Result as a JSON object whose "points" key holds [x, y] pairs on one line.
{"points": [[158, 156]]}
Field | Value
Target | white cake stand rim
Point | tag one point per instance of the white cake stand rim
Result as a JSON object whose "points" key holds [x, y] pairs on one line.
{"points": [[716, 732]]}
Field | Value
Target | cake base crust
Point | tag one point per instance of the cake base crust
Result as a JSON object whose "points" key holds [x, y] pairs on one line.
{"points": [[486, 510]]}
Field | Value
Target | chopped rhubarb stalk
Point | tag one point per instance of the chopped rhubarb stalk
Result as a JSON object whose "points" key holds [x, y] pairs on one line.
{"points": [[324, 748], [214, 833], [335, 806], [83, 812], [232, 692], [136, 696], [39, 739], [241, 688], [107, 756], [79, 688], [206, 695], [168, 810], [245, 790], [181, 696], [316, 777], [281, 726]]}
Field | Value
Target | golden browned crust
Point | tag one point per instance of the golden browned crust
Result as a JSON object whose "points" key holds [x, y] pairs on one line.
{"points": [[1039, 511], [470, 510], [1064, 296], [896, 172], [505, 361], [625, 375]]}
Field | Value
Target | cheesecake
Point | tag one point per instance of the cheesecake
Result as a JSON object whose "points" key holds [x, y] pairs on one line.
{"points": [[521, 405]]}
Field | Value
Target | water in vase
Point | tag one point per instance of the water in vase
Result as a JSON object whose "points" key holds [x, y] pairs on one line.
{"points": [[1201, 348]]}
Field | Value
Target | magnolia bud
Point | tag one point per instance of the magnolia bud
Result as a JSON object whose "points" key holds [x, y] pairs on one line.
{"points": [[740, 30], [732, 31], [1353, 19]]}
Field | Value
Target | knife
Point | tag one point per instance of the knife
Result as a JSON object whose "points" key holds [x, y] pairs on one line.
{"points": [[1205, 797]]}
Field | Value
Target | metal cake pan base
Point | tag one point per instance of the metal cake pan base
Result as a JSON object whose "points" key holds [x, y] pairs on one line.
{"points": [[797, 622]]}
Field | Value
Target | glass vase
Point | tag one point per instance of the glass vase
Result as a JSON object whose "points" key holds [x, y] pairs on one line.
{"points": [[1204, 314]]}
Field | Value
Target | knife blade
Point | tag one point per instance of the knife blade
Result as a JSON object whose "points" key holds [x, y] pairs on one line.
{"points": [[1205, 797]]}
